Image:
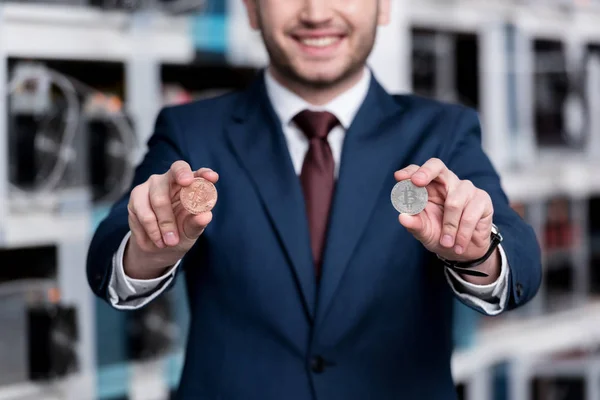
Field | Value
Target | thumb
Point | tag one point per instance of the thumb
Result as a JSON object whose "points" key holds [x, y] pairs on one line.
{"points": [[180, 173], [194, 225], [414, 224]]}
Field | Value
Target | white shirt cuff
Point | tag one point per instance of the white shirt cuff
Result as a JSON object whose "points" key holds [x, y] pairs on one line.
{"points": [[126, 293], [492, 298]]}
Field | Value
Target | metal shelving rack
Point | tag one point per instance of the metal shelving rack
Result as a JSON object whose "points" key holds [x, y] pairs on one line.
{"points": [[525, 339], [86, 34], [142, 41]]}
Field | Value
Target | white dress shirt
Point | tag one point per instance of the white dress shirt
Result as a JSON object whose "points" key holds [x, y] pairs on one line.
{"points": [[128, 293]]}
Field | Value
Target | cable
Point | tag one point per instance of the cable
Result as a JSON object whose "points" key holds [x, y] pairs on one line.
{"points": [[576, 108], [70, 88], [72, 123], [127, 136], [124, 132], [70, 132]]}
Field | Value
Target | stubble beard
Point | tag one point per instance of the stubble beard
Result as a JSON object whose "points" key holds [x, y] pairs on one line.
{"points": [[280, 62]]}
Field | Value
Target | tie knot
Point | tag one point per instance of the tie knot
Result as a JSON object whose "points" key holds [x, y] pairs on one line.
{"points": [[316, 124]]}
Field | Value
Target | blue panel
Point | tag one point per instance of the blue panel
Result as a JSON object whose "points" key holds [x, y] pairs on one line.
{"points": [[500, 383], [110, 334], [216, 6], [181, 309], [113, 381], [174, 362], [111, 350], [98, 214], [174, 365], [110, 323], [209, 32], [465, 325], [209, 27]]}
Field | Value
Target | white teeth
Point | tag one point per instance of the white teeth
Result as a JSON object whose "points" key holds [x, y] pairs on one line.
{"points": [[320, 42]]}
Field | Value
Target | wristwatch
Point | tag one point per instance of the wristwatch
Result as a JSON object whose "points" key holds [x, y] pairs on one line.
{"points": [[465, 267]]}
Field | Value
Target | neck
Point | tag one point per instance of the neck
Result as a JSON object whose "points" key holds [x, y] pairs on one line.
{"points": [[315, 94]]}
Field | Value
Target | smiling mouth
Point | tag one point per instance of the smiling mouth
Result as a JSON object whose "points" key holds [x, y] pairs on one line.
{"points": [[319, 46], [320, 42]]}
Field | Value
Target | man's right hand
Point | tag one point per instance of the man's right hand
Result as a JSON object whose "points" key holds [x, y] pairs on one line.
{"points": [[162, 230]]}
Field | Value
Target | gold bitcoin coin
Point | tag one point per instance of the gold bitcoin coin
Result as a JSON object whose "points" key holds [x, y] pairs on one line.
{"points": [[200, 196]]}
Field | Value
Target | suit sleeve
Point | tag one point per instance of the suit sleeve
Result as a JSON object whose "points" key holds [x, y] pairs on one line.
{"points": [[126, 293], [466, 158], [164, 148]]}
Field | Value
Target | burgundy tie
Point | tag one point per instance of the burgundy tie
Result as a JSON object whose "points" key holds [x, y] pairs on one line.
{"points": [[317, 177]]}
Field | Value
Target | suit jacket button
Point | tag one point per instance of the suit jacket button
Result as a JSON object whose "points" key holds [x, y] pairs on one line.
{"points": [[317, 364], [519, 290], [98, 277]]}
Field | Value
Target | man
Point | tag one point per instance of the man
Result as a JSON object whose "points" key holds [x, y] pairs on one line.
{"points": [[303, 282]]}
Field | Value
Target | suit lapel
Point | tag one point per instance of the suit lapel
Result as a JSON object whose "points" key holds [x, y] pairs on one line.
{"points": [[257, 140], [374, 147]]}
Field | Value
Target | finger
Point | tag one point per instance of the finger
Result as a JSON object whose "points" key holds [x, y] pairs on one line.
{"points": [[432, 169], [472, 214], [405, 172], [138, 233], [415, 224], [162, 208], [140, 209], [180, 173], [207, 174], [453, 209], [194, 225]]}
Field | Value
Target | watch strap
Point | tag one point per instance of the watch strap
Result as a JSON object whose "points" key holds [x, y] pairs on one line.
{"points": [[465, 268]]}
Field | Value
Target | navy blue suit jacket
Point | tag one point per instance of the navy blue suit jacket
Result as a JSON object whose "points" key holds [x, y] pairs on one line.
{"points": [[379, 324]]}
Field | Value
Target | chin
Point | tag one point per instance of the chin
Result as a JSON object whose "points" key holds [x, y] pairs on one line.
{"points": [[321, 76]]}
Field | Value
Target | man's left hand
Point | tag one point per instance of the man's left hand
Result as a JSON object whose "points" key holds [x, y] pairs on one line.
{"points": [[457, 221]]}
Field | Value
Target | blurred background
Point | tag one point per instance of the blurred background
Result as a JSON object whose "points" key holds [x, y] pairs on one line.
{"points": [[84, 80]]}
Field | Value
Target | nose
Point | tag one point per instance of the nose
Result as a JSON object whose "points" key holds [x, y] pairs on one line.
{"points": [[316, 12]]}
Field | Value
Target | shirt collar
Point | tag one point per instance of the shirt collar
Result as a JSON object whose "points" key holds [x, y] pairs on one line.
{"points": [[287, 104]]}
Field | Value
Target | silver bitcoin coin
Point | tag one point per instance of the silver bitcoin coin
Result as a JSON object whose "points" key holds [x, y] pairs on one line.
{"points": [[408, 198]]}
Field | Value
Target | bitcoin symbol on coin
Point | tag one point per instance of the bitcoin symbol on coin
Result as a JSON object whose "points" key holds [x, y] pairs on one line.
{"points": [[198, 197], [408, 198]]}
